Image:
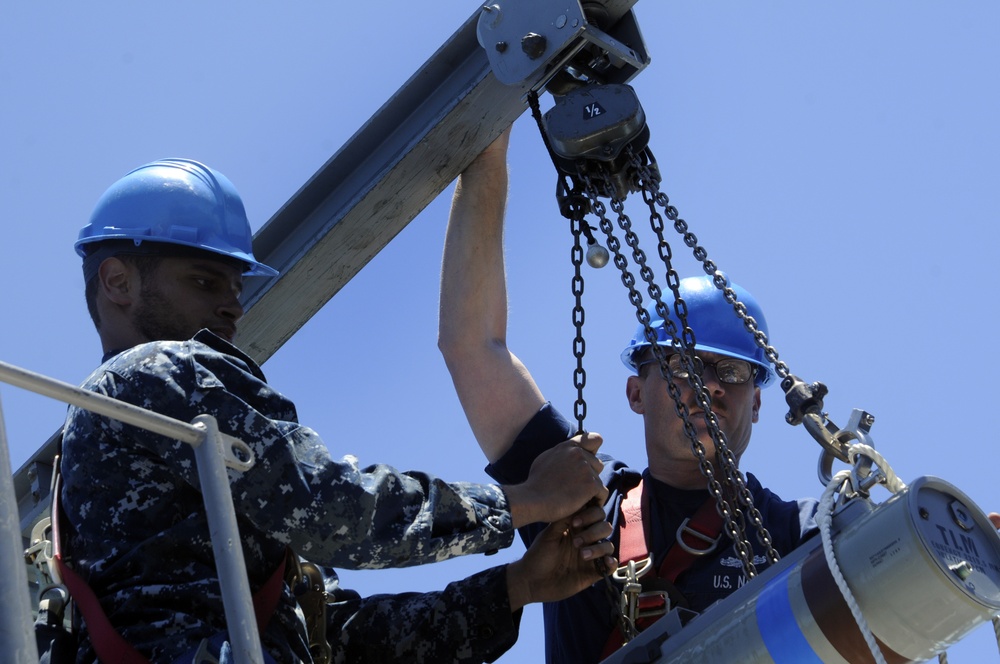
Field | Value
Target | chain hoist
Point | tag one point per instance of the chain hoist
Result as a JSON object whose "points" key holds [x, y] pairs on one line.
{"points": [[597, 137], [611, 162]]}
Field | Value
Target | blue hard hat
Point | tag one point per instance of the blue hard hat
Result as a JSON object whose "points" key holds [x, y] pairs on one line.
{"points": [[175, 201], [717, 328]]}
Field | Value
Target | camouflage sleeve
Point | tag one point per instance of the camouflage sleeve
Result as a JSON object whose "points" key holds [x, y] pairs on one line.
{"points": [[468, 621], [331, 511]]}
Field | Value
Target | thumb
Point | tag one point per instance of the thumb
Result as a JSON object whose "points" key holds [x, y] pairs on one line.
{"points": [[591, 442]]}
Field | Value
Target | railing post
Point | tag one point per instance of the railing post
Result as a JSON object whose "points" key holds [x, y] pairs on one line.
{"points": [[229, 562], [16, 630]]}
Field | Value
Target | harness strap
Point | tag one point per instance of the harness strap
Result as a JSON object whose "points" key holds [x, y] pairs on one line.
{"points": [[265, 600], [698, 535], [632, 544], [110, 646]]}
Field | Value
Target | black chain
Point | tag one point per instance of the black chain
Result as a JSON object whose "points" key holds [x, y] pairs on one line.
{"points": [[573, 206], [579, 194], [579, 344], [653, 196], [734, 479], [731, 518]]}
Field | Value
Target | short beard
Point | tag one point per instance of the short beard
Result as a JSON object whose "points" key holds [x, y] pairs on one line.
{"points": [[156, 319]]}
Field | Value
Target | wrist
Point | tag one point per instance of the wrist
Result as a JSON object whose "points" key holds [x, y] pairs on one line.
{"points": [[519, 503], [518, 588]]}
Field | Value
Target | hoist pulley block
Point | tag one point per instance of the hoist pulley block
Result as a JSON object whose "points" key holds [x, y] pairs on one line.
{"points": [[596, 122], [590, 128]]}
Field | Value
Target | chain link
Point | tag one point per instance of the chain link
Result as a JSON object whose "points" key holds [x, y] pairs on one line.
{"points": [[579, 344]]}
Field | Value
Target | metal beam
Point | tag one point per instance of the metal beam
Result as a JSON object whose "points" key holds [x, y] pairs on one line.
{"points": [[391, 169]]}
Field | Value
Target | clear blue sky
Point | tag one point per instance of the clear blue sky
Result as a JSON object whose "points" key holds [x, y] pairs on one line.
{"points": [[839, 160]]}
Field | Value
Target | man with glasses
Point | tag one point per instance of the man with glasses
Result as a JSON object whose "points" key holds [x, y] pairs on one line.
{"points": [[513, 423]]}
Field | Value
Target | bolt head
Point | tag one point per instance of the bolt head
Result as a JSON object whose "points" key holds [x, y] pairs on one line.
{"points": [[533, 45]]}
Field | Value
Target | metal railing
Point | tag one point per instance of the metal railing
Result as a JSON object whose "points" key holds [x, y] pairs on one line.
{"points": [[16, 622]]}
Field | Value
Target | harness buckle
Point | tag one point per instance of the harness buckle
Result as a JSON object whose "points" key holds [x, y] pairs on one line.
{"points": [[657, 603], [628, 575], [308, 585], [711, 542], [40, 553]]}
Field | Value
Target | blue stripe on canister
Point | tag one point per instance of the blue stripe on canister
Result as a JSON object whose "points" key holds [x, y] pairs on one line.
{"points": [[778, 628]]}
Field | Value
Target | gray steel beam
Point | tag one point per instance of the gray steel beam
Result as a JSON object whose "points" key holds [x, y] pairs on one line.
{"points": [[393, 167], [390, 170]]}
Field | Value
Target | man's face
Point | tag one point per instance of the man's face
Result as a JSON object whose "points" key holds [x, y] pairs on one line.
{"points": [[184, 295], [736, 407]]}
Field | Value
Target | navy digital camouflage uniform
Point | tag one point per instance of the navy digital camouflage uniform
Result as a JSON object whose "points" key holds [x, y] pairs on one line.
{"points": [[138, 529], [577, 628]]}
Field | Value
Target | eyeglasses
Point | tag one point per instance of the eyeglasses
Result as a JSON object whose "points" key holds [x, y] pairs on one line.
{"points": [[729, 370]]}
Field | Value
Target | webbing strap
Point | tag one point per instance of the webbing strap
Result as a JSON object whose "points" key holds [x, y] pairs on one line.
{"points": [[265, 600], [696, 537], [632, 544]]}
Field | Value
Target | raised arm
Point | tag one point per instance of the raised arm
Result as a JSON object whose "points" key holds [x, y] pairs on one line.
{"points": [[497, 392]]}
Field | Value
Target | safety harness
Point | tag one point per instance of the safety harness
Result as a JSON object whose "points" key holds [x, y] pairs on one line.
{"points": [[649, 593]]}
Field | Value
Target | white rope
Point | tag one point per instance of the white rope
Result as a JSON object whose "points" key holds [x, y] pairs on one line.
{"points": [[824, 518], [892, 483]]}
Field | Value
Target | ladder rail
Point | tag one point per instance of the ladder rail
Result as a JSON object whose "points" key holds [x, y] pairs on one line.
{"points": [[16, 632]]}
